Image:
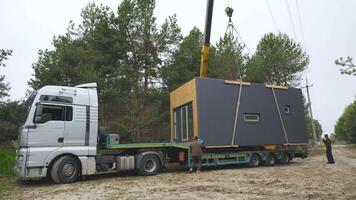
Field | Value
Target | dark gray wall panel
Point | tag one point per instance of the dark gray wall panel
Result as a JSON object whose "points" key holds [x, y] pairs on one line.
{"points": [[216, 104], [216, 110], [294, 122], [256, 98]]}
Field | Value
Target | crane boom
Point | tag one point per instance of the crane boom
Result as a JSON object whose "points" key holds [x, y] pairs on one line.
{"points": [[206, 45]]}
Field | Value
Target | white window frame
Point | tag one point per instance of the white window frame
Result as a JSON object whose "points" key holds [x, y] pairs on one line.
{"points": [[186, 124], [257, 115], [287, 109], [175, 124]]}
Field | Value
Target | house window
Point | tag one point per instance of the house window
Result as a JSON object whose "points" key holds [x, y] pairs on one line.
{"points": [[287, 109], [252, 117], [183, 123]]}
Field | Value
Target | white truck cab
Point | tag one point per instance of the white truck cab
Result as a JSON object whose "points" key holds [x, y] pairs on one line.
{"points": [[62, 123]]}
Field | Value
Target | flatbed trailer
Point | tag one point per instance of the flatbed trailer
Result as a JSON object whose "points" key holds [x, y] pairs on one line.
{"points": [[214, 157]]}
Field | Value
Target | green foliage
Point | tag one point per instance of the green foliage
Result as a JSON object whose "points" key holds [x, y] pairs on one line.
{"points": [[278, 60], [227, 60], [185, 62], [308, 120], [4, 54], [7, 161], [347, 66], [318, 128], [12, 115], [345, 128], [4, 87]]}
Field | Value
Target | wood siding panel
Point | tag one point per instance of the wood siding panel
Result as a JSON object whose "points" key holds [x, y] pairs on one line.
{"points": [[181, 96]]}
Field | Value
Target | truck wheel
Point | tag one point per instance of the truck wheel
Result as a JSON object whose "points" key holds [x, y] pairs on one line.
{"points": [[270, 160], [255, 161], [65, 170], [285, 158], [149, 165]]}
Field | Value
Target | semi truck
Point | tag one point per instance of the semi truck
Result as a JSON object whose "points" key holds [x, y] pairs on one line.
{"points": [[61, 139]]}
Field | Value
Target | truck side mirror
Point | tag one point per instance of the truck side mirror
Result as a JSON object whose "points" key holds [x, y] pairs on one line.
{"points": [[38, 115]]}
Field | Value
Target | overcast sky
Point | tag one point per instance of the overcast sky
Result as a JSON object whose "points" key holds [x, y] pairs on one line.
{"points": [[329, 32]]}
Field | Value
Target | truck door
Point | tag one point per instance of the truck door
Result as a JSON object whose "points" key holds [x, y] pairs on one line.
{"points": [[75, 126], [48, 128]]}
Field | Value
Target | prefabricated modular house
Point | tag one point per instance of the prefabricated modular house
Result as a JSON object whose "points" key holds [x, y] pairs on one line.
{"points": [[266, 114]]}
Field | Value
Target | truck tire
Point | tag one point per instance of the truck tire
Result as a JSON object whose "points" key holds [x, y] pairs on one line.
{"points": [[285, 158], [270, 160], [65, 170], [149, 165], [255, 161]]}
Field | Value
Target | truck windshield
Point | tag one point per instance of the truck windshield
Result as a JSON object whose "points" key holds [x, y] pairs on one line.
{"points": [[30, 99]]}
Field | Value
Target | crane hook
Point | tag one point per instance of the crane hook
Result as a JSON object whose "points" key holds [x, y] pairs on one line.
{"points": [[229, 11]]}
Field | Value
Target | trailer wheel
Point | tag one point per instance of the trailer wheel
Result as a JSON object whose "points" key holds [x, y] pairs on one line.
{"points": [[149, 165], [65, 170], [285, 159], [270, 160], [255, 161]]}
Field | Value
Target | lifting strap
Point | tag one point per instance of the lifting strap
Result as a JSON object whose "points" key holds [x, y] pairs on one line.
{"points": [[280, 116], [234, 132]]}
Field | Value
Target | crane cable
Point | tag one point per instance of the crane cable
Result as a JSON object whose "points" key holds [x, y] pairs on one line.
{"points": [[231, 29]]}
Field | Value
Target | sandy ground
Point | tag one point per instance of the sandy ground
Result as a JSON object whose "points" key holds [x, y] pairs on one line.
{"points": [[311, 178]]}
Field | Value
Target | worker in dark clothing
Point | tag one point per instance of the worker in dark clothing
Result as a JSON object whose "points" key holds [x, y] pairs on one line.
{"points": [[329, 154], [196, 154]]}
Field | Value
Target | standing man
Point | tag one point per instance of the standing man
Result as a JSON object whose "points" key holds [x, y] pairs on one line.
{"points": [[196, 154], [329, 154]]}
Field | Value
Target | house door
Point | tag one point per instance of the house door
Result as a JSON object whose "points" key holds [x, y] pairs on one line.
{"points": [[183, 123]]}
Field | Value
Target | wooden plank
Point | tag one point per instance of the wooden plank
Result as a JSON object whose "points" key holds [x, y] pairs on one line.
{"points": [[148, 145], [295, 144], [270, 147], [277, 86], [238, 82], [224, 146], [181, 96]]}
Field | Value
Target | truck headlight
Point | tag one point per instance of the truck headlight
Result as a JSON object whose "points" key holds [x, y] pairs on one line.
{"points": [[20, 157]]}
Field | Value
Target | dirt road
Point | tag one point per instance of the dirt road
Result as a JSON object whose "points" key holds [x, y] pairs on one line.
{"points": [[302, 179]]}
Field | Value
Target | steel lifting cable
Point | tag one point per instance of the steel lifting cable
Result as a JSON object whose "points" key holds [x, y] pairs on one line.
{"points": [[280, 116], [230, 27]]}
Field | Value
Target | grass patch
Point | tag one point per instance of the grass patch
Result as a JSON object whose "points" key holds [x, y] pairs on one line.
{"points": [[7, 161], [7, 174]]}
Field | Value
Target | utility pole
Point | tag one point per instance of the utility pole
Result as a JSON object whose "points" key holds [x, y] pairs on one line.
{"points": [[310, 110]]}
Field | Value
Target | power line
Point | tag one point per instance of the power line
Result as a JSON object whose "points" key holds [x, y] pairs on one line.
{"points": [[300, 24], [291, 19], [270, 12]]}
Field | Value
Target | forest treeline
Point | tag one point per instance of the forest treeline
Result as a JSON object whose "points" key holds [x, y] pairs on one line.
{"points": [[136, 63]]}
